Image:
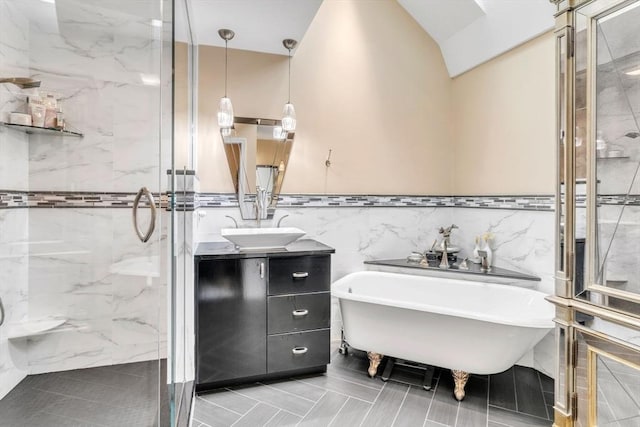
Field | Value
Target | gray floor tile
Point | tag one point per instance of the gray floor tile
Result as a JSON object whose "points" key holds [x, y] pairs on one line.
{"points": [[386, 407], [414, 408], [231, 401], [352, 413], [346, 387], [107, 376], [284, 419], [472, 411], [502, 390], [298, 388], [108, 395], [21, 403], [358, 377], [529, 398], [213, 415], [325, 410], [277, 398], [43, 419], [515, 419], [137, 369], [259, 415], [92, 412], [444, 407]]}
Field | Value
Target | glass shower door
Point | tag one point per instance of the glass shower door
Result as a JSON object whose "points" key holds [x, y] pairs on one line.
{"points": [[86, 289]]}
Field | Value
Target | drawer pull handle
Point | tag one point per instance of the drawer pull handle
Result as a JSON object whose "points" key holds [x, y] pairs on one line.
{"points": [[299, 350], [300, 275], [300, 313]]}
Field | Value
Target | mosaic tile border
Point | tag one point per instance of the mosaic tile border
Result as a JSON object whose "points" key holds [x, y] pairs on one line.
{"points": [[191, 201], [72, 199]]}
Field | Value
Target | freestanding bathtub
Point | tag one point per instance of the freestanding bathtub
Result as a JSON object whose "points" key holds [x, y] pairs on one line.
{"points": [[469, 326]]}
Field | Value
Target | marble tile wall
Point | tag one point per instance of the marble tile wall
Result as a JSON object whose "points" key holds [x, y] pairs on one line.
{"points": [[524, 241], [110, 289], [14, 175]]}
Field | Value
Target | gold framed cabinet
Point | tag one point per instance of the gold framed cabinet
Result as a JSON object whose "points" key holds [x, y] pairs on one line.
{"points": [[597, 294]]}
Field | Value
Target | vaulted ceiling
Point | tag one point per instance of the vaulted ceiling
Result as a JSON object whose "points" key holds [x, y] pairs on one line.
{"points": [[469, 32]]}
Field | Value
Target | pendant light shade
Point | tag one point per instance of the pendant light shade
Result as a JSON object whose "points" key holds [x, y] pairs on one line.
{"points": [[289, 117], [289, 112], [225, 113], [225, 108]]}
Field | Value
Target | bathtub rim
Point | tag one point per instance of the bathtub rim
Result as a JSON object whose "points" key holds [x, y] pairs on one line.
{"points": [[532, 322]]}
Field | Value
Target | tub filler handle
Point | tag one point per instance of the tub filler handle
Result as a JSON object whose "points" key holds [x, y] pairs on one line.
{"points": [[299, 350], [300, 313], [300, 275]]}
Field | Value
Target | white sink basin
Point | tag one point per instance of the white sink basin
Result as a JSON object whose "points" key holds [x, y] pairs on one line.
{"points": [[261, 238]]}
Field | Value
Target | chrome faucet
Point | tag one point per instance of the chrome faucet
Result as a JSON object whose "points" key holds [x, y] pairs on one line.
{"points": [[232, 219], [261, 204], [280, 220], [446, 234], [444, 262]]}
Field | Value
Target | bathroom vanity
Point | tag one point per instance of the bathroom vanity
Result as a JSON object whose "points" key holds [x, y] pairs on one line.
{"points": [[261, 314]]}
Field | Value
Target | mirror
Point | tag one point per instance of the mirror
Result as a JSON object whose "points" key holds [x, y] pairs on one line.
{"points": [[607, 117], [257, 153]]}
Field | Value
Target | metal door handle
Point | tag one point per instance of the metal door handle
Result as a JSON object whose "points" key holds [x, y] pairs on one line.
{"points": [[144, 237], [262, 270], [1, 312], [299, 350], [300, 313], [300, 275]]}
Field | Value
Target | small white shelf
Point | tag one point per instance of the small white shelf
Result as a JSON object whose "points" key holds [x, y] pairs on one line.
{"points": [[30, 328]]}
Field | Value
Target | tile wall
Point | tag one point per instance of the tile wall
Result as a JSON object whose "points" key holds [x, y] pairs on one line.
{"points": [[14, 174]]}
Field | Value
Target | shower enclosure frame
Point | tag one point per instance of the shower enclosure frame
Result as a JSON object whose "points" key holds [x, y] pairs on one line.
{"points": [[589, 329]]}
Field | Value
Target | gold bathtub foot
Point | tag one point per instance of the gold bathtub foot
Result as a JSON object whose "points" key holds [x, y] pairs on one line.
{"points": [[460, 379], [374, 362]]}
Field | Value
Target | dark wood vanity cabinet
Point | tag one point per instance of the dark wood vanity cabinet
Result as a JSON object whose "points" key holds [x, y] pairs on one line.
{"points": [[261, 317]]}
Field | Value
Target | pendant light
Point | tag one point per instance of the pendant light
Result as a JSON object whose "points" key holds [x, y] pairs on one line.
{"points": [[289, 113], [225, 108]]}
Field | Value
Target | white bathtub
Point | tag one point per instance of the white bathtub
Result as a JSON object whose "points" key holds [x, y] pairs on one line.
{"points": [[476, 327]]}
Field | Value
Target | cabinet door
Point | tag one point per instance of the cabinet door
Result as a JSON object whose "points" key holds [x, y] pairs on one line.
{"points": [[231, 319]]}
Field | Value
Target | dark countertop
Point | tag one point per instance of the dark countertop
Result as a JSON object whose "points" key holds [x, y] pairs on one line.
{"points": [[227, 250], [473, 269]]}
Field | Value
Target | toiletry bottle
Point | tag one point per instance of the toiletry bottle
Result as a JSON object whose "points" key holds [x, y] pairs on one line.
{"points": [[51, 105], [60, 119]]}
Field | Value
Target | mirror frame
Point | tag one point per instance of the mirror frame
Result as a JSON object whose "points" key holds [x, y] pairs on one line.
{"points": [[246, 198]]}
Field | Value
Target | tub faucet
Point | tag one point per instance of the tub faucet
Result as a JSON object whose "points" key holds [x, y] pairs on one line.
{"points": [[444, 262]]}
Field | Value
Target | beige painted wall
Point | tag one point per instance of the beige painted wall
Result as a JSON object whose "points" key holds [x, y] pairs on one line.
{"points": [[367, 82], [503, 115]]}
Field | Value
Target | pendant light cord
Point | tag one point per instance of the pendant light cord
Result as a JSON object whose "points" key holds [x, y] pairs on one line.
{"points": [[225, 67], [289, 101]]}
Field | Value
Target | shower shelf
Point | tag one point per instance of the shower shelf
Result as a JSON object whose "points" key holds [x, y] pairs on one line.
{"points": [[41, 131], [32, 328]]}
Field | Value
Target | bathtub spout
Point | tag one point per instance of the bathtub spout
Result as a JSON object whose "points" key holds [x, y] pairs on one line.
{"points": [[374, 362], [460, 379]]}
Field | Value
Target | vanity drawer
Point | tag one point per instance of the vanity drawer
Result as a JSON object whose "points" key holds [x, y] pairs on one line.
{"points": [[299, 274], [298, 350], [301, 312]]}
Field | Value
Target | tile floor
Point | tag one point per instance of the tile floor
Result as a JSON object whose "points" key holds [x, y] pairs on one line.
{"points": [[346, 396], [120, 395]]}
